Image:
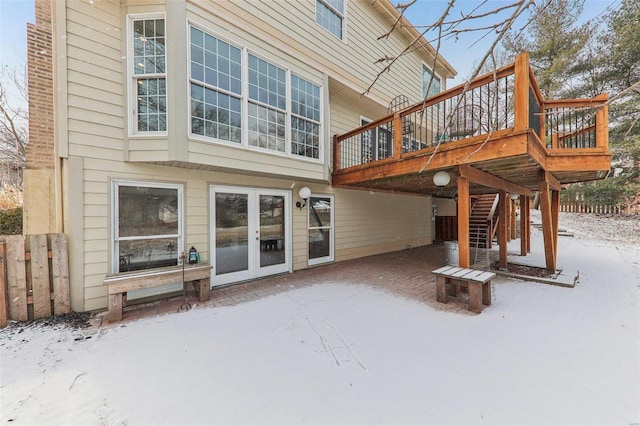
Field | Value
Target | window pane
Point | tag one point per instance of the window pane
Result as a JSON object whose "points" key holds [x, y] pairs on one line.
{"points": [[267, 83], [219, 57], [145, 211], [319, 212], [328, 18], [232, 233], [149, 46], [219, 113], [430, 82], [319, 243], [152, 102], [148, 253], [267, 128], [305, 140]]}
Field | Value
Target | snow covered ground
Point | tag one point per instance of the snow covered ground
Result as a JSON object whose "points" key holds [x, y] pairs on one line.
{"points": [[345, 353]]}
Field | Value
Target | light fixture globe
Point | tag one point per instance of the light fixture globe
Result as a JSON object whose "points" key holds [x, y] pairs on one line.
{"points": [[441, 178], [514, 196], [304, 193]]}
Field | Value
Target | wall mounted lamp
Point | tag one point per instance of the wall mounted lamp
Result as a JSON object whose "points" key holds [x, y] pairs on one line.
{"points": [[441, 179], [304, 193], [514, 196]]}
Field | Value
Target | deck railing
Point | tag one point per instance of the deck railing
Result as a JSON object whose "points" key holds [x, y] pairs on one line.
{"points": [[508, 98], [575, 124]]}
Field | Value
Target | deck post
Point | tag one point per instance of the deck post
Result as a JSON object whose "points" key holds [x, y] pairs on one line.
{"points": [[555, 218], [336, 154], [464, 201], [602, 123], [524, 225], [521, 92], [547, 223], [503, 223], [514, 220]]}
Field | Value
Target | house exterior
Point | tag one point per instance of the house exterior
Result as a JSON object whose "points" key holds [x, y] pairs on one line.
{"points": [[158, 126]]}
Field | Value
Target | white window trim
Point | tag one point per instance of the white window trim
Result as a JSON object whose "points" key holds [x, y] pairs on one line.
{"points": [[132, 90], [244, 99], [115, 216], [332, 233], [343, 16]]}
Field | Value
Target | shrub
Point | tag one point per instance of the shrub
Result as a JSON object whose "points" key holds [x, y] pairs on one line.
{"points": [[11, 221]]}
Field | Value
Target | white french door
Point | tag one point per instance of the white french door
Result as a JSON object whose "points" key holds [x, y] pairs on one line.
{"points": [[250, 233]]}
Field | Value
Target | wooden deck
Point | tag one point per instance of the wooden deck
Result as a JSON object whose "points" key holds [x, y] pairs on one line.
{"points": [[498, 135]]}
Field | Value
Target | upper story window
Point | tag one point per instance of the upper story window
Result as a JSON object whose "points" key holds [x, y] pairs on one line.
{"points": [[305, 118], [239, 97], [430, 83], [216, 89], [330, 16], [148, 69], [267, 105]]}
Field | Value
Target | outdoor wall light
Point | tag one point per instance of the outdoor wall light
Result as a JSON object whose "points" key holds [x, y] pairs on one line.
{"points": [[514, 196], [304, 193], [441, 178]]}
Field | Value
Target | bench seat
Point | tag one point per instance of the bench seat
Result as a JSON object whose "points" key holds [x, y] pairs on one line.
{"points": [[120, 284], [450, 278]]}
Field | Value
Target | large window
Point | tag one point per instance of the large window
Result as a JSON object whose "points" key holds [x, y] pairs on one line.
{"points": [[267, 105], [430, 83], [148, 67], [320, 229], [239, 97], [305, 119], [216, 69], [147, 225], [330, 16]]}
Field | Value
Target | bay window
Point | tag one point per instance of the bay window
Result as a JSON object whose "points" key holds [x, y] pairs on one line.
{"points": [[240, 97]]}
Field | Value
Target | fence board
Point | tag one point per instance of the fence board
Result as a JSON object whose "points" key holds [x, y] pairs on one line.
{"points": [[17, 278], [4, 307], [60, 272], [40, 276]]}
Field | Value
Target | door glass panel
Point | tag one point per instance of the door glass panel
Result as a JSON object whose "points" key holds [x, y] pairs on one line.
{"points": [[319, 227], [232, 233], [272, 235]]}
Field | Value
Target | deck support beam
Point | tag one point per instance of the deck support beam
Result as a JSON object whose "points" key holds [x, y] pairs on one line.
{"points": [[464, 209], [549, 208], [503, 224], [489, 180]]}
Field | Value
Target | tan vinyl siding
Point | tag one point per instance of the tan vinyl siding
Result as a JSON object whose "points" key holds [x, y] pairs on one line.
{"points": [[370, 223], [291, 26]]}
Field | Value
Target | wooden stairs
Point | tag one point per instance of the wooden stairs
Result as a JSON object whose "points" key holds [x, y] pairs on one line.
{"points": [[483, 220]]}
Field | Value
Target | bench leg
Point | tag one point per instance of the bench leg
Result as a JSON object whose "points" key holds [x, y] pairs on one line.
{"points": [[204, 290], [115, 308], [441, 290], [486, 293], [475, 296]]}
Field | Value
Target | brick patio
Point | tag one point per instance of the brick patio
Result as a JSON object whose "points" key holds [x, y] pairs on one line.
{"points": [[405, 273]]}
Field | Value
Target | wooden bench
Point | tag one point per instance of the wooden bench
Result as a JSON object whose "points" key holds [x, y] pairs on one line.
{"points": [[450, 278], [120, 284]]}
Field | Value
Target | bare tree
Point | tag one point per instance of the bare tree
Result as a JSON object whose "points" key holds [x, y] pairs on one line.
{"points": [[14, 125]]}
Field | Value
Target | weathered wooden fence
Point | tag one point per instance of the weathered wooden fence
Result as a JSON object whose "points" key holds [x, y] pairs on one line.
{"points": [[34, 277], [576, 207]]}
